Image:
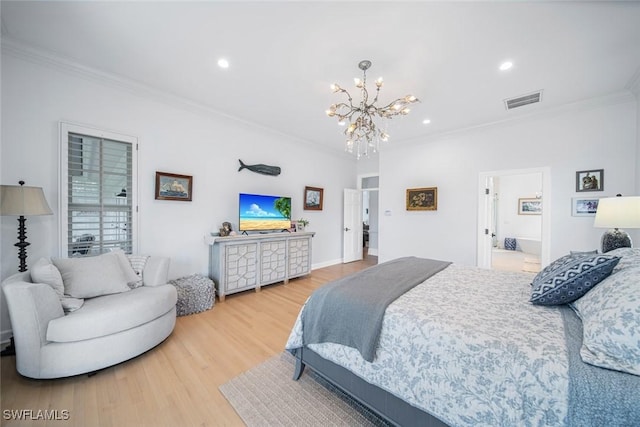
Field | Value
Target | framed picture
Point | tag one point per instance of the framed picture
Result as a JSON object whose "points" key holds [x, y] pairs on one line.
{"points": [[422, 199], [529, 206], [584, 206], [170, 186], [313, 198], [592, 180]]}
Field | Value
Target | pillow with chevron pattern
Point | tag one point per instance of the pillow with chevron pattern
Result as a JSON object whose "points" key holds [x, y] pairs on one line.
{"points": [[571, 277]]}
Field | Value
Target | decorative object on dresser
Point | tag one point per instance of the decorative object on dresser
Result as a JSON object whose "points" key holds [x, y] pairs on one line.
{"points": [[590, 180], [21, 201], [261, 169], [226, 229], [615, 213], [301, 224], [240, 263], [422, 199], [313, 198], [171, 186]]}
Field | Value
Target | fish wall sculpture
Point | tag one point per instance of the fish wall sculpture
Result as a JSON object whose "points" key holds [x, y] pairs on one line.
{"points": [[260, 168]]}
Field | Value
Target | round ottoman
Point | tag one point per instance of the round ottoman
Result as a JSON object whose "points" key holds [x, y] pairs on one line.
{"points": [[196, 293]]}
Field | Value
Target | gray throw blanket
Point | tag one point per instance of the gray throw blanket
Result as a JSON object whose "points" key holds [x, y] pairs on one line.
{"points": [[597, 395], [349, 311]]}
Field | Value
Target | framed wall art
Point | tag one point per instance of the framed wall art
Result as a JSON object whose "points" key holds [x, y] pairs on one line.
{"points": [[584, 206], [529, 206], [170, 186], [313, 198], [591, 180], [422, 199]]}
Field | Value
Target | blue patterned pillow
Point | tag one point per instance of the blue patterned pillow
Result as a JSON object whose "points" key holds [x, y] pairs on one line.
{"points": [[548, 271], [571, 277]]}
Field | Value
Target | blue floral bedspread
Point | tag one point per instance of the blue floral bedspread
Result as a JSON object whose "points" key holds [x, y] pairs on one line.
{"points": [[468, 347]]}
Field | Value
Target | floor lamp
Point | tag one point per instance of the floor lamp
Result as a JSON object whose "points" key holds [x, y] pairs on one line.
{"points": [[616, 213], [21, 201]]}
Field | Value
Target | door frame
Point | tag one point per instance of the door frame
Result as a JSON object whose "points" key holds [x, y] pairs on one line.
{"points": [[352, 227], [361, 177], [484, 241]]}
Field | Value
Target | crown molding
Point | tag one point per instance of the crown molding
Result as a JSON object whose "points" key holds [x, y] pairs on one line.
{"points": [[583, 105], [51, 59]]}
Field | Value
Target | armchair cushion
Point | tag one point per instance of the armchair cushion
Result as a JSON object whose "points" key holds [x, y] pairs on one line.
{"points": [[89, 277], [110, 314], [45, 272]]}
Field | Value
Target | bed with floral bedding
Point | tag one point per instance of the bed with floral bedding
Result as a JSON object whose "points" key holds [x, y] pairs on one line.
{"points": [[475, 347]]}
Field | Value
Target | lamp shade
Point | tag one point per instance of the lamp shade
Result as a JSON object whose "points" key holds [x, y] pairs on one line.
{"points": [[23, 201], [618, 212]]}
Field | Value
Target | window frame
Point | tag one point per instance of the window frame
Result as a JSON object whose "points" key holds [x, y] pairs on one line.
{"points": [[65, 129]]}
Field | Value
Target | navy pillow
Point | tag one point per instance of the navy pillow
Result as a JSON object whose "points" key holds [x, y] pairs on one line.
{"points": [[570, 277]]}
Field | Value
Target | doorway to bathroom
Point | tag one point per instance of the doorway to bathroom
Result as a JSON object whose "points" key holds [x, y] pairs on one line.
{"points": [[513, 220]]}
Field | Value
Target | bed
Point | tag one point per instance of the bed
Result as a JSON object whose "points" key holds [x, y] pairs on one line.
{"points": [[468, 347]]}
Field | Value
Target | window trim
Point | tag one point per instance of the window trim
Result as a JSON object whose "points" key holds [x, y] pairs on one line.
{"points": [[63, 175]]}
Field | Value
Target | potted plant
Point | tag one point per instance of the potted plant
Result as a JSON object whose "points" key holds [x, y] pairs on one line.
{"points": [[302, 223]]}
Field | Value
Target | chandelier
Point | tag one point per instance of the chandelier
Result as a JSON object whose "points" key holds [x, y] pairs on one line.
{"points": [[363, 135]]}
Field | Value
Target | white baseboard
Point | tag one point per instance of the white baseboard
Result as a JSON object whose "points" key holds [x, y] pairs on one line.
{"points": [[326, 264], [373, 251], [5, 337]]}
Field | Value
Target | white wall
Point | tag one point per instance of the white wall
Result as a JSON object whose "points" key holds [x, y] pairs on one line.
{"points": [[601, 136], [173, 138]]}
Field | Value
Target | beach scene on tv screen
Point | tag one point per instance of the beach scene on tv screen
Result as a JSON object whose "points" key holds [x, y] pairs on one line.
{"points": [[261, 212]]}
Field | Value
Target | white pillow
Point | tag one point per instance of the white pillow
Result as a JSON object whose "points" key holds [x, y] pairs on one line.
{"points": [[45, 272], [126, 267], [629, 257], [138, 262], [610, 314], [89, 277], [70, 304]]}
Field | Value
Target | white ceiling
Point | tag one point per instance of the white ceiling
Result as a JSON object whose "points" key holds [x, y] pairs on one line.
{"points": [[284, 55]]}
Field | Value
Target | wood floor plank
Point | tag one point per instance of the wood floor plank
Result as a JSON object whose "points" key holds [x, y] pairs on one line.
{"points": [[176, 383]]}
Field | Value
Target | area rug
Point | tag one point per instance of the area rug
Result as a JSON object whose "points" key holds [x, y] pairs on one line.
{"points": [[267, 396]]}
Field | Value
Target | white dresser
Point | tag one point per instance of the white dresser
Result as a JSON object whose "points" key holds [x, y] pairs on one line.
{"points": [[241, 262]]}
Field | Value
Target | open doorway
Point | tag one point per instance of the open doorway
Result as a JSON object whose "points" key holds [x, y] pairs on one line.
{"points": [[513, 220], [369, 184]]}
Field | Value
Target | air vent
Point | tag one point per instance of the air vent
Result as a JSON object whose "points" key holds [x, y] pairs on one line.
{"points": [[527, 99]]}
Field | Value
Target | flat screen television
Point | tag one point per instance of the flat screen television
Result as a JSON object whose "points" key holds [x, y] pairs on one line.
{"points": [[260, 212]]}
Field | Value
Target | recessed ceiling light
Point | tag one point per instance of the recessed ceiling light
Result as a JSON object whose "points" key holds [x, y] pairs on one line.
{"points": [[506, 65], [426, 121], [223, 63]]}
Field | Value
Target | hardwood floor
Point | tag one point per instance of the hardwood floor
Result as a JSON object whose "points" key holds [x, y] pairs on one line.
{"points": [[176, 383]]}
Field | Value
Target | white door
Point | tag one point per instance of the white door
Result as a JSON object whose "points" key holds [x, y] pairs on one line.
{"points": [[486, 227], [352, 226]]}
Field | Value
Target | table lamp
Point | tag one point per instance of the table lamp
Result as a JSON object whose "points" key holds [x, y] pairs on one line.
{"points": [[616, 213], [22, 201]]}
